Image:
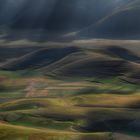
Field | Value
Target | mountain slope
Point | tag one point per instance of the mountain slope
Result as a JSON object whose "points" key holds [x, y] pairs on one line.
{"points": [[33, 13], [7, 53], [122, 53], [79, 62], [39, 58], [34, 19], [84, 64], [123, 23]]}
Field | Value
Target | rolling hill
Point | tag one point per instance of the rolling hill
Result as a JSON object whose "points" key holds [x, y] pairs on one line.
{"points": [[39, 58], [78, 62], [7, 53], [25, 133]]}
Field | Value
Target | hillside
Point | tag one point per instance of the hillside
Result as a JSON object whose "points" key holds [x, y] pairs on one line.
{"points": [[24, 133], [122, 23], [78, 62], [7, 53], [39, 58]]}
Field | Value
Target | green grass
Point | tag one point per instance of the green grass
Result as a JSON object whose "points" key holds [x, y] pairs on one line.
{"points": [[9, 74], [12, 94], [11, 132], [44, 123], [59, 115], [64, 115]]}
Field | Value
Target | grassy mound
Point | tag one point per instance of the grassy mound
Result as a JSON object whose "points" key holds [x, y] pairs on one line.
{"points": [[11, 132]]}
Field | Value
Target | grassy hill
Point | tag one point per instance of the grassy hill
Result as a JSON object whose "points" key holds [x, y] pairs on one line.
{"points": [[40, 58], [79, 62], [10, 132], [82, 116]]}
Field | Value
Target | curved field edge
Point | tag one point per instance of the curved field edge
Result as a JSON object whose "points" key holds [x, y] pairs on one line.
{"points": [[12, 132]]}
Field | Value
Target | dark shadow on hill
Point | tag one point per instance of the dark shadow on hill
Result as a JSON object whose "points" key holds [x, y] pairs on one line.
{"points": [[110, 124]]}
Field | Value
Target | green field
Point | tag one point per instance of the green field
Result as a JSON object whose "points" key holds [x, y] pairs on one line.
{"points": [[82, 112]]}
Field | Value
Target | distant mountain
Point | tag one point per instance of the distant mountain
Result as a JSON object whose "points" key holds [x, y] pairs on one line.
{"points": [[54, 14], [8, 53], [49, 18], [122, 23]]}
